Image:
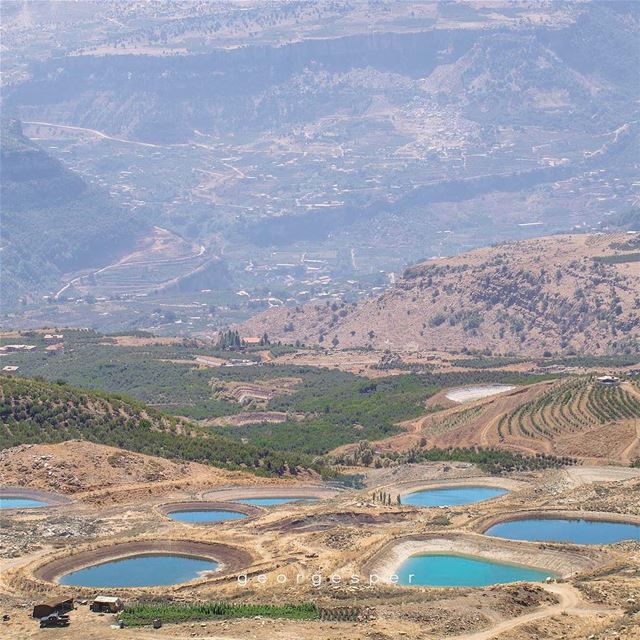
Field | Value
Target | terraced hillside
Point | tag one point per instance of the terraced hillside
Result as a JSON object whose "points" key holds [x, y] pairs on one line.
{"points": [[571, 417], [34, 411], [580, 415], [569, 407], [162, 262]]}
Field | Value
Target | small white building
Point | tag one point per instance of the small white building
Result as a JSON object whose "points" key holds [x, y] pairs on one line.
{"points": [[10, 369]]}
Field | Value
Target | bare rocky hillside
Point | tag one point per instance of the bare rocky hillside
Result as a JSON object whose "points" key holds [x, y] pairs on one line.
{"points": [[557, 294]]}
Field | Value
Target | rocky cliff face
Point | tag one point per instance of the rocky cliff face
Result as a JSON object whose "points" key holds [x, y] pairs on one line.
{"points": [[511, 76]]}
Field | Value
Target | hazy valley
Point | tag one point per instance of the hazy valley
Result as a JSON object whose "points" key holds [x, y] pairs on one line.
{"points": [[317, 167]]}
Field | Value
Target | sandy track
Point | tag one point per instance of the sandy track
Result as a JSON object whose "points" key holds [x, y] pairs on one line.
{"points": [[570, 603]]}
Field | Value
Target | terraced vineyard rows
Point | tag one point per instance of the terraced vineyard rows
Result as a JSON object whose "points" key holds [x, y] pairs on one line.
{"points": [[570, 406], [452, 421]]}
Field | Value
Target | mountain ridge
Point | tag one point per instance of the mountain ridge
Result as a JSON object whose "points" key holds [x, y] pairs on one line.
{"points": [[566, 293], [53, 220]]}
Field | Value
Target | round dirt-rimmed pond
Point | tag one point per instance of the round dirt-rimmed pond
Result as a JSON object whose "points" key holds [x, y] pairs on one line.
{"points": [[23, 498], [563, 527], [207, 512], [227, 559]]}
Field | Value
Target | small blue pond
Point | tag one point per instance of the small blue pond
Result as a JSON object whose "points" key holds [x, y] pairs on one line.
{"points": [[566, 530], [206, 515], [140, 571], [451, 496], [267, 502], [20, 503], [450, 570]]}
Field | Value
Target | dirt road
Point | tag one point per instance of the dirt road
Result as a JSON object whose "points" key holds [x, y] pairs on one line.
{"points": [[570, 603]]}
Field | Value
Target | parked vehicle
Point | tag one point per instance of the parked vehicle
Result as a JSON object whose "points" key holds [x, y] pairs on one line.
{"points": [[55, 620]]}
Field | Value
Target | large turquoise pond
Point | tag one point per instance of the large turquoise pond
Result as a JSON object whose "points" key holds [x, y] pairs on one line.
{"points": [[566, 530], [451, 496], [449, 570], [268, 502], [20, 503], [206, 515], [140, 571]]}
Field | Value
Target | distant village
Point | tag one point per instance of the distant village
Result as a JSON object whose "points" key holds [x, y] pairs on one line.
{"points": [[54, 347]]}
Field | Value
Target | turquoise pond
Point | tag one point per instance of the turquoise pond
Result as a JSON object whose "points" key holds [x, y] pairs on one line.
{"points": [[20, 503], [449, 570], [451, 496], [206, 515], [566, 530], [140, 571], [268, 502]]}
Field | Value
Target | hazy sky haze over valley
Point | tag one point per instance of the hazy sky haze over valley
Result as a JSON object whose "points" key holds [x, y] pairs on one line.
{"points": [[211, 160]]}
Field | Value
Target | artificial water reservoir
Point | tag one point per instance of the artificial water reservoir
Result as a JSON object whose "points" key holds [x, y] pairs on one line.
{"points": [[268, 502], [7, 502], [206, 515], [451, 496], [451, 570], [477, 392], [140, 571], [578, 531]]}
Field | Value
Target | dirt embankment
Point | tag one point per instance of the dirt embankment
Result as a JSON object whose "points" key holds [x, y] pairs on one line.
{"points": [[289, 490], [91, 470]]}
